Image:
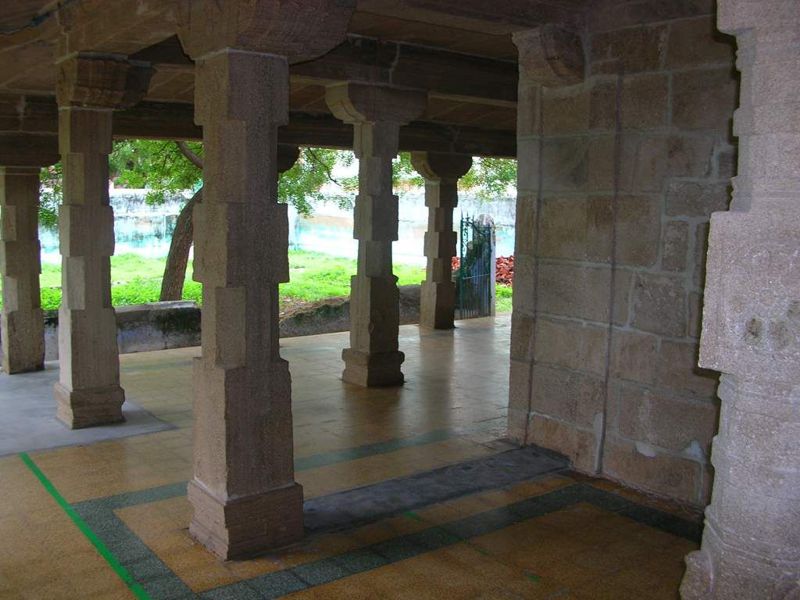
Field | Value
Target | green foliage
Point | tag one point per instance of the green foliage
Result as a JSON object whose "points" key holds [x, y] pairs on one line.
{"points": [[503, 297], [300, 185], [50, 196], [158, 166], [490, 178], [403, 172], [164, 171]]}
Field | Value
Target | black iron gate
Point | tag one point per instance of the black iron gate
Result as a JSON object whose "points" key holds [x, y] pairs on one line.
{"points": [[475, 274]]}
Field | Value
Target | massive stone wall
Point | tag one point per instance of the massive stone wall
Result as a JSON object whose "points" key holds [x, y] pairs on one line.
{"points": [[618, 176]]}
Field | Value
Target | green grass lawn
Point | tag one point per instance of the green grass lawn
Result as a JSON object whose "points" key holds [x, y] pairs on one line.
{"points": [[136, 279], [502, 302]]}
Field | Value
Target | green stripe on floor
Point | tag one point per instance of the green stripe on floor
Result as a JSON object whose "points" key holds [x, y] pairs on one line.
{"points": [[101, 548]]}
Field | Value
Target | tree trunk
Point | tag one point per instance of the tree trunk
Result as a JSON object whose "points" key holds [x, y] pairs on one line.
{"points": [[178, 257]]}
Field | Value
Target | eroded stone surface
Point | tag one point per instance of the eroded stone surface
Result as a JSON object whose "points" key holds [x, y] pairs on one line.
{"points": [[376, 113], [22, 319], [751, 326], [243, 490], [88, 392], [438, 294]]}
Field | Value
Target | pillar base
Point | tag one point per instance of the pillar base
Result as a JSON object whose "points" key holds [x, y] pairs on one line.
{"points": [[372, 370], [85, 408], [719, 571], [242, 527]]}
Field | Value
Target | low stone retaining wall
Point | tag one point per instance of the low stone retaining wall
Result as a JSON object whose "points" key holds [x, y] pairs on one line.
{"points": [[164, 325]]}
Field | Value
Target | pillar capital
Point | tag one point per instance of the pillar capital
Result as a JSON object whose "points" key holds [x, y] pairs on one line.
{"points": [[550, 55], [298, 31], [101, 81], [359, 103], [436, 166], [287, 156]]}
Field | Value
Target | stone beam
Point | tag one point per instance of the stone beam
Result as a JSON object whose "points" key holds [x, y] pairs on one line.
{"points": [[477, 15], [369, 60], [90, 87], [173, 121], [751, 325], [121, 27], [438, 292], [300, 31], [376, 113]]}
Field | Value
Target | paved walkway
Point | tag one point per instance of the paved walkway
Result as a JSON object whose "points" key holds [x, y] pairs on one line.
{"points": [[109, 519]]}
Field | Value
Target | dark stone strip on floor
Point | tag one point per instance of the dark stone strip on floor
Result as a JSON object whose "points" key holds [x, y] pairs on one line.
{"points": [[328, 570], [323, 459], [145, 567], [350, 508], [379, 500]]}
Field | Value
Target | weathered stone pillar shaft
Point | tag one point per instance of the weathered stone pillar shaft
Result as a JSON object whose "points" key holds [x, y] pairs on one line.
{"points": [[374, 295], [376, 113], [89, 88], [751, 325], [243, 490], [22, 320], [438, 294], [88, 391]]}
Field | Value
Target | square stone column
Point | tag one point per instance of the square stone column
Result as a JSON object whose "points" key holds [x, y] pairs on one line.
{"points": [[89, 88], [751, 325], [438, 292], [376, 113], [22, 318], [243, 491]]}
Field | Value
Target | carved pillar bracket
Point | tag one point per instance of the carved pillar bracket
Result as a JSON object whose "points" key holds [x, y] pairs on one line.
{"points": [[376, 112], [438, 292], [243, 493], [751, 325], [89, 88]]}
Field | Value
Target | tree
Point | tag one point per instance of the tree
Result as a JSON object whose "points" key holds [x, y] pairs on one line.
{"points": [[165, 169], [490, 177], [168, 168]]}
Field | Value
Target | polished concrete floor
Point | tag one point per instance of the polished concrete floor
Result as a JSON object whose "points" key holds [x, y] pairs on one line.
{"points": [[109, 519]]}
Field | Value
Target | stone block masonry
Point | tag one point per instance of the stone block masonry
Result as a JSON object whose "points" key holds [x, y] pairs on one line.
{"points": [[621, 162]]}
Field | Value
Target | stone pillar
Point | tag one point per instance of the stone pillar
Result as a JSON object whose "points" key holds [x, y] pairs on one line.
{"points": [[751, 325], [549, 57], [243, 492], [376, 112], [89, 88], [22, 319], [438, 292]]}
